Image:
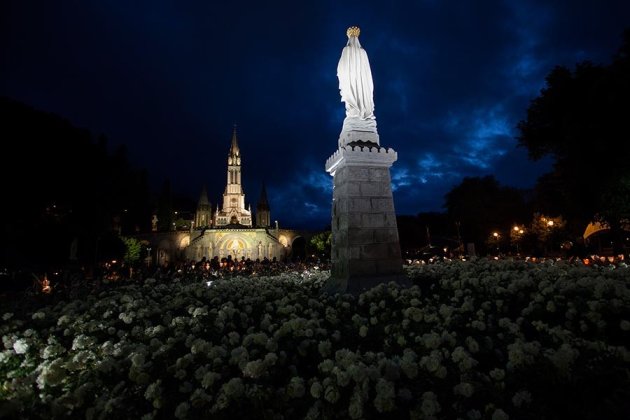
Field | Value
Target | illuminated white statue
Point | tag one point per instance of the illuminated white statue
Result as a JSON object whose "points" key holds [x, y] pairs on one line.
{"points": [[356, 86]]}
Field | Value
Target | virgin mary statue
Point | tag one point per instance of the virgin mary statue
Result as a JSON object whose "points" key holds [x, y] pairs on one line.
{"points": [[356, 86]]}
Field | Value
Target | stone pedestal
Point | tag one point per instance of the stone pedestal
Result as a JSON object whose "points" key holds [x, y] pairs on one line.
{"points": [[365, 246]]}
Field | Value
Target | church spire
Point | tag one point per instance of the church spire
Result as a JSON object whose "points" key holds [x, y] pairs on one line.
{"points": [[233, 210], [234, 150]]}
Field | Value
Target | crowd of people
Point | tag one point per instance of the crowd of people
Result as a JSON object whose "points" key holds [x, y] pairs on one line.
{"points": [[74, 278], [74, 281], [228, 267]]}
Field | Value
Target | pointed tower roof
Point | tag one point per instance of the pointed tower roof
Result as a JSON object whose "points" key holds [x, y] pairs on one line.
{"points": [[234, 150], [203, 198], [263, 204]]}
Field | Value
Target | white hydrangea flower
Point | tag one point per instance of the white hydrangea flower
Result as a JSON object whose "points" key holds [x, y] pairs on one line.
{"points": [[358, 372], [81, 342], [497, 374], [181, 412], [63, 320], [80, 360], [51, 374], [200, 346], [38, 315], [445, 311], [408, 364], [464, 389], [234, 388], [463, 359], [363, 331], [295, 388], [472, 344], [473, 414], [316, 389], [326, 366], [479, 325], [500, 415], [355, 408], [430, 405], [413, 313], [324, 348], [5, 356], [563, 358], [127, 318], [137, 359], [521, 397], [209, 379], [20, 346], [431, 340], [385, 399], [271, 359], [254, 369], [331, 394]]}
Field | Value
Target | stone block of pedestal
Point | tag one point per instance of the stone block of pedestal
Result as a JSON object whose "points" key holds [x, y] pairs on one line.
{"points": [[365, 245]]}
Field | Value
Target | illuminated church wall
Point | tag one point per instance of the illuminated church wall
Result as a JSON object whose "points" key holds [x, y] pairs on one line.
{"points": [[239, 243]]}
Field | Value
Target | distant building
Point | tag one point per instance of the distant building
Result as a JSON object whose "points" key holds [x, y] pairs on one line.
{"points": [[228, 231]]}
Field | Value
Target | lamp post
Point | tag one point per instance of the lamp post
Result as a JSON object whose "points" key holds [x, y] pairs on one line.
{"points": [[496, 237], [517, 235]]}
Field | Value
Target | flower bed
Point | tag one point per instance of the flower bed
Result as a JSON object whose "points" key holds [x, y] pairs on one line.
{"points": [[481, 339]]}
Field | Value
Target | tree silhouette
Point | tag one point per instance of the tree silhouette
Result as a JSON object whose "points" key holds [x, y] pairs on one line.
{"points": [[482, 205], [581, 120], [165, 208], [67, 189]]}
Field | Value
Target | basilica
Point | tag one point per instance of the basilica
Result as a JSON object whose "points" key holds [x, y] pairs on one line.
{"points": [[232, 230]]}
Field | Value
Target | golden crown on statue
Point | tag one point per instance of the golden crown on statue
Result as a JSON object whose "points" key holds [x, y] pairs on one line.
{"points": [[353, 31]]}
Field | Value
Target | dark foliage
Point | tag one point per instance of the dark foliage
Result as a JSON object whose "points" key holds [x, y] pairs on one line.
{"points": [[62, 185], [581, 120], [482, 205]]}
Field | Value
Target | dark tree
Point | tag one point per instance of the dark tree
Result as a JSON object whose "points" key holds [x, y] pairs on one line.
{"points": [[165, 208], [482, 205], [411, 233], [581, 119], [424, 229], [62, 188], [616, 211]]}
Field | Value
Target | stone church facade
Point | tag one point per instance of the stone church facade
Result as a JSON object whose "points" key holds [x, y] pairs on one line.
{"points": [[231, 229]]}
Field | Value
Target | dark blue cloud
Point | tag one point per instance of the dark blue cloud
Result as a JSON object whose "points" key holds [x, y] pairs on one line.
{"points": [[170, 79]]}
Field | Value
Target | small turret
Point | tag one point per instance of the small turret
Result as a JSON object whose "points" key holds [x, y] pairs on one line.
{"points": [[263, 212], [203, 215]]}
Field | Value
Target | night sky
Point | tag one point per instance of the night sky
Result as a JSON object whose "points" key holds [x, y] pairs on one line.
{"points": [[170, 79]]}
